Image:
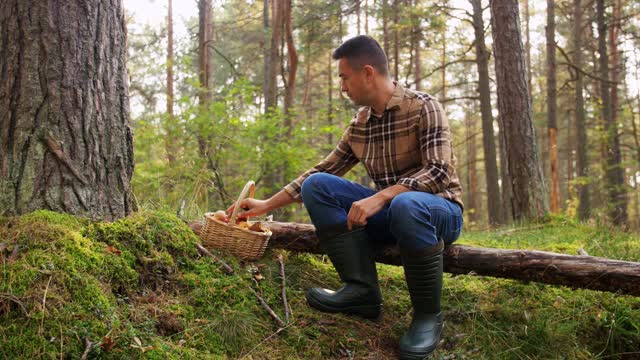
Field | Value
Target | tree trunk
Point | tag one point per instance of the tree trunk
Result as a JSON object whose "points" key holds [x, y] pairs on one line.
{"points": [[613, 166], [514, 105], [396, 40], [292, 63], [266, 25], [366, 17], [65, 140], [170, 140], [330, 99], [527, 45], [505, 189], [586, 272], [205, 53], [552, 108], [472, 174], [443, 60], [358, 18], [205, 92], [582, 171], [274, 57], [416, 36], [385, 28], [488, 138]]}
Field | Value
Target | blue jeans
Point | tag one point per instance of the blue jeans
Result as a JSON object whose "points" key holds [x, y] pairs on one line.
{"points": [[414, 220]]}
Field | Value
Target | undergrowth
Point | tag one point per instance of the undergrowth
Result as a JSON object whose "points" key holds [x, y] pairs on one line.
{"points": [[137, 288]]}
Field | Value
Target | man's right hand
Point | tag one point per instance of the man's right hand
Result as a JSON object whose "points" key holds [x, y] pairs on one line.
{"points": [[250, 208]]}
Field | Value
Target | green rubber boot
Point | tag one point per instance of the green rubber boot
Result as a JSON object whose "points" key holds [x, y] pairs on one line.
{"points": [[353, 257], [423, 271]]}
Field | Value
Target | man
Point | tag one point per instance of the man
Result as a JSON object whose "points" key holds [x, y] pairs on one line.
{"points": [[402, 138]]}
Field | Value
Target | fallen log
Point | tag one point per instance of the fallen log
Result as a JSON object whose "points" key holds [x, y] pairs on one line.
{"points": [[575, 271]]}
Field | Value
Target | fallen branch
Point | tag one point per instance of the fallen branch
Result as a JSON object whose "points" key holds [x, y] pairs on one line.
{"points": [[87, 346], [228, 269], [264, 304], [17, 301], [284, 289], [586, 272]]}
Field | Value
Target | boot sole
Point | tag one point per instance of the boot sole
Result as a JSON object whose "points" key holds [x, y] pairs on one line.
{"points": [[410, 355], [365, 311]]}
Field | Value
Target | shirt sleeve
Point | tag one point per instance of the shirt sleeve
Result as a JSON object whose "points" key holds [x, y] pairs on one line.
{"points": [[338, 163], [435, 147]]}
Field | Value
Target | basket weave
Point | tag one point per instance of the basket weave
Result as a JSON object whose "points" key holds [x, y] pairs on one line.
{"points": [[243, 243]]}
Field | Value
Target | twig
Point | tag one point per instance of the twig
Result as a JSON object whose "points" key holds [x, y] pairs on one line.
{"points": [[56, 149], [264, 304], [284, 289], [44, 302], [265, 339], [14, 254], [87, 346], [228, 269], [17, 301]]}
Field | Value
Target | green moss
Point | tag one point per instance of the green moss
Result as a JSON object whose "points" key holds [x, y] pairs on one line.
{"points": [[142, 278]]}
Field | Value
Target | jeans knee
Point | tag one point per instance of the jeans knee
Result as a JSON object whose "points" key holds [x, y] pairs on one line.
{"points": [[402, 213], [314, 182]]}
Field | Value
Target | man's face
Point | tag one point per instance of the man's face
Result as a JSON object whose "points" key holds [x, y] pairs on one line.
{"points": [[354, 83]]}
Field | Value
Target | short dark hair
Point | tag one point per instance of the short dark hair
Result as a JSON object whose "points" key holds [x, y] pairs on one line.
{"points": [[363, 50]]}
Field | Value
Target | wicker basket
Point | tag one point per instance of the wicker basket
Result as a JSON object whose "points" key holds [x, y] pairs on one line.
{"points": [[243, 243]]}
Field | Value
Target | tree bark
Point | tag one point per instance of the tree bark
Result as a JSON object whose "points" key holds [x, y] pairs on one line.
{"points": [[415, 38], [585, 272], [266, 25], [205, 53], [582, 171], [396, 41], [170, 139], [366, 17], [65, 140], [613, 164], [385, 28], [271, 101], [292, 62], [505, 189], [472, 192], [514, 105], [527, 45], [552, 108], [488, 138]]}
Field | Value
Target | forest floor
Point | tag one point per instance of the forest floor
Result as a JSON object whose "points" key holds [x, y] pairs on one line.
{"points": [[138, 288]]}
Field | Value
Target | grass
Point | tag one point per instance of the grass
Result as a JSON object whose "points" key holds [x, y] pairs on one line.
{"points": [[138, 289]]}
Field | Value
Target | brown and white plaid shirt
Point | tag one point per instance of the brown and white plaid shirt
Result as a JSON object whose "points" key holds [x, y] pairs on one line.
{"points": [[410, 145]]}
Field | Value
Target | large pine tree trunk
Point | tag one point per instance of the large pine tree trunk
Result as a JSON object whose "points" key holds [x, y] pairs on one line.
{"points": [[488, 138], [514, 105], [552, 108], [613, 164], [584, 205], [65, 140]]}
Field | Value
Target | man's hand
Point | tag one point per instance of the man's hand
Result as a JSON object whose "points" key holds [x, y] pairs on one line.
{"points": [[363, 209], [251, 207]]}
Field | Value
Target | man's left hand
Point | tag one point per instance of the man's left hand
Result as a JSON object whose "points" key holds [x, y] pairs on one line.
{"points": [[363, 209]]}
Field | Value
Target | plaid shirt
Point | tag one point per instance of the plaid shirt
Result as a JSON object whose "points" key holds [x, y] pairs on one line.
{"points": [[410, 145]]}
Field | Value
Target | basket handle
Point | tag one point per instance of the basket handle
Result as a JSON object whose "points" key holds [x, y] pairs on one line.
{"points": [[249, 188]]}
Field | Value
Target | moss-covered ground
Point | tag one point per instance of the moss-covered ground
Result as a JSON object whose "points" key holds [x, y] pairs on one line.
{"points": [[137, 288]]}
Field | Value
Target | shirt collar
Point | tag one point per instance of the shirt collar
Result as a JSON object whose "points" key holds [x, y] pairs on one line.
{"points": [[394, 102]]}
